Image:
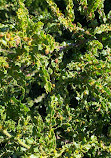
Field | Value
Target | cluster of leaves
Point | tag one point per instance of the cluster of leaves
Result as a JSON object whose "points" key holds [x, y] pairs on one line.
{"points": [[55, 79]]}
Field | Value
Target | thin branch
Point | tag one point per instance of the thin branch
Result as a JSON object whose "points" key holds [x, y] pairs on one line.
{"points": [[71, 45], [17, 139]]}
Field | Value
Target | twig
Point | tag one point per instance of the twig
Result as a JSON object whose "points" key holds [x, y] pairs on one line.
{"points": [[71, 45], [17, 139]]}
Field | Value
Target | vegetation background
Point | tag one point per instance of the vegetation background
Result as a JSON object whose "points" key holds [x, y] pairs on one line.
{"points": [[55, 78]]}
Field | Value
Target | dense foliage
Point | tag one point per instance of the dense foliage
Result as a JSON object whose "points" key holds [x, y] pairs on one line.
{"points": [[55, 78]]}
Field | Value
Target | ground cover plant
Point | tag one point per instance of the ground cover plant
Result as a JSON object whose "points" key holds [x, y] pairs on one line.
{"points": [[55, 79]]}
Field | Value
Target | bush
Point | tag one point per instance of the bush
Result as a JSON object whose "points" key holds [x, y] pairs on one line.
{"points": [[55, 79]]}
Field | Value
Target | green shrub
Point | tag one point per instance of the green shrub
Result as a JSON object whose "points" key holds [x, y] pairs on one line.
{"points": [[55, 79]]}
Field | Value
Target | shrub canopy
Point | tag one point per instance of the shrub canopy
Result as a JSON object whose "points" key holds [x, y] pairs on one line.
{"points": [[55, 78]]}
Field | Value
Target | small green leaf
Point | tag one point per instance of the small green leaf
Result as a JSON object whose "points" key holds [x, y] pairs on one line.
{"points": [[48, 86]]}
